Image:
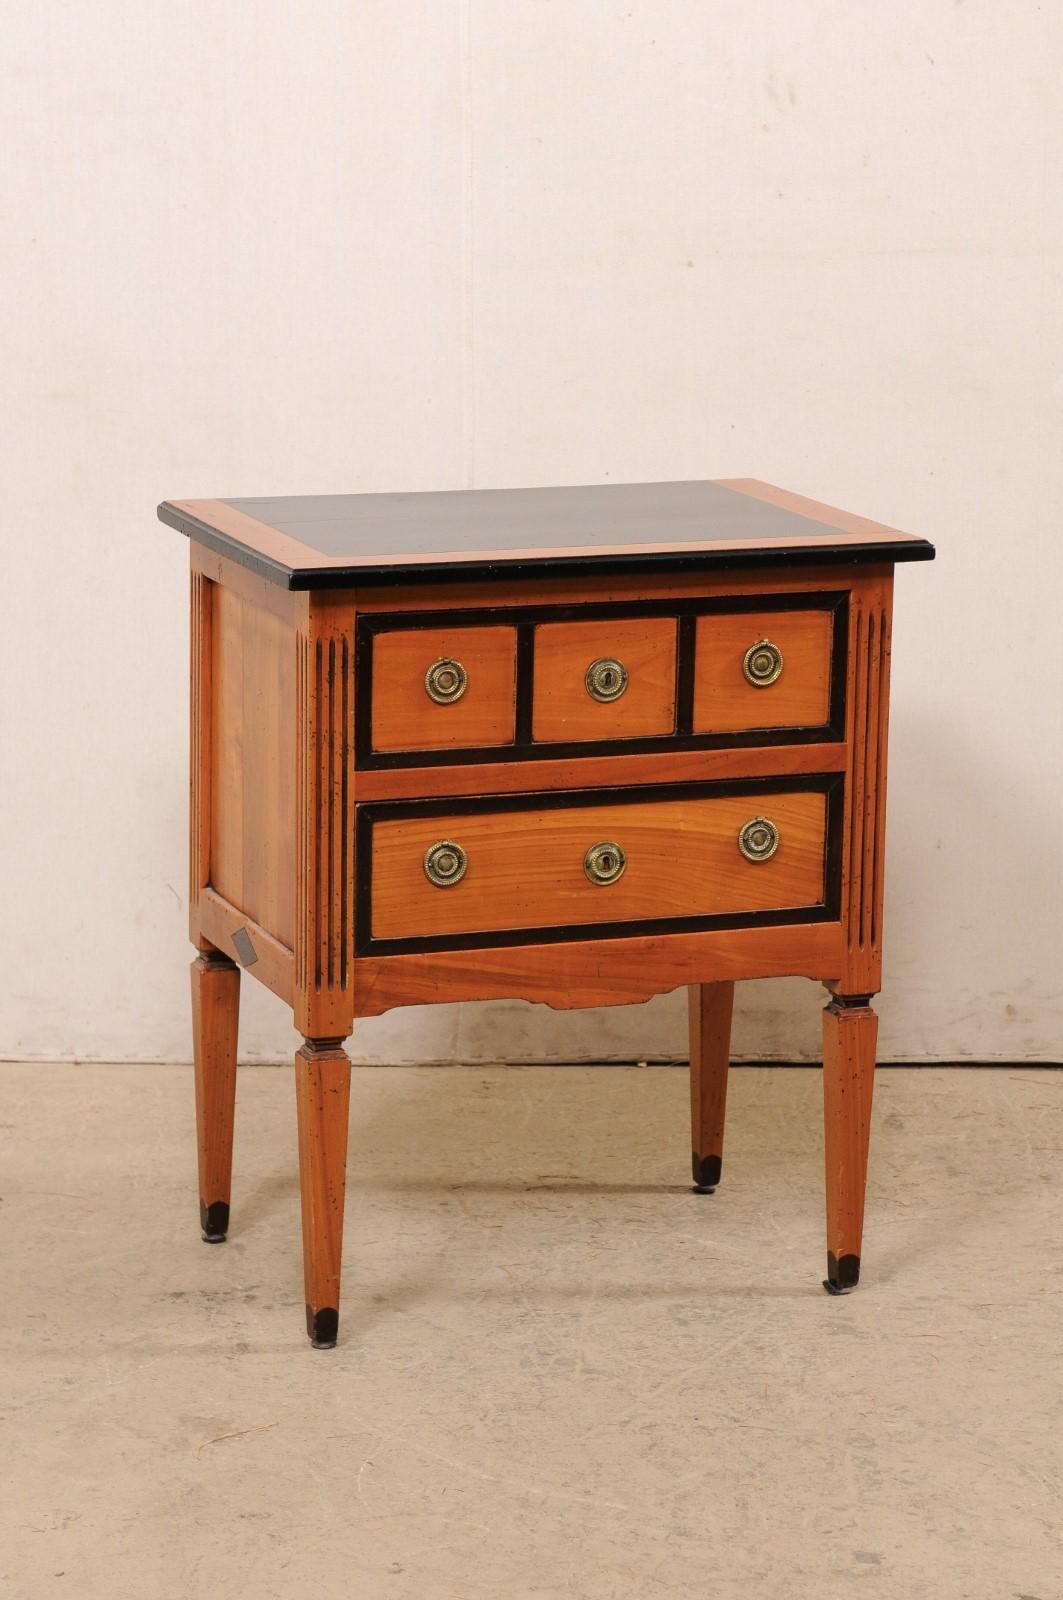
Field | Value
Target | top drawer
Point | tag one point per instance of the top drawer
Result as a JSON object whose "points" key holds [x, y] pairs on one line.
{"points": [[597, 678]]}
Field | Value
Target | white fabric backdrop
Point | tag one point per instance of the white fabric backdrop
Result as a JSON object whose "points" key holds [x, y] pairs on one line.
{"points": [[260, 248]]}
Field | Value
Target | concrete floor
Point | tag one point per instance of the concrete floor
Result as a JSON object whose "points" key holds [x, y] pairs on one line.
{"points": [[560, 1373]]}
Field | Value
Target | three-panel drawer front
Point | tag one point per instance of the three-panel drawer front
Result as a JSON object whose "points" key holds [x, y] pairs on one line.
{"points": [[521, 869], [587, 679]]}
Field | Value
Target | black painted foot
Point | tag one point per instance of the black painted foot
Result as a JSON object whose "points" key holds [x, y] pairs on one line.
{"points": [[842, 1275], [322, 1326], [707, 1170], [214, 1221]]}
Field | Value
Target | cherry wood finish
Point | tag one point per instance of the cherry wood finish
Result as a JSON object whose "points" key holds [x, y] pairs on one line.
{"points": [[710, 1007], [252, 768], [215, 1020], [563, 707], [322, 1095], [405, 717], [526, 868], [850, 1032], [619, 771], [307, 859], [228, 930], [725, 700], [587, 972]]}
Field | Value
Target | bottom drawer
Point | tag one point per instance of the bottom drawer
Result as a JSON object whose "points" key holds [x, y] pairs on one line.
{"points": [[562, 862]]}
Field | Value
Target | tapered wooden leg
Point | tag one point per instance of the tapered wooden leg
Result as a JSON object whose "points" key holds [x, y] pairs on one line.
{"points": [[710, 1006], [850, 1032], [323, 1094], [215, 1019]]}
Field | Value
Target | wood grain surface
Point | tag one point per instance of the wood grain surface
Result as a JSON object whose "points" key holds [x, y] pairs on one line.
{"points": [[616, 771], [404, 715], [215, 1023], [850, 1033], [725, 700], [525, 868], [584, 972], [562, 706], [710, 1006], [252, 772], [322, 1095]]}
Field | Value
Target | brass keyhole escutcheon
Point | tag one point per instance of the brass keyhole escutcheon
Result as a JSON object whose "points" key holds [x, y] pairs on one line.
{"points": [[604, 863], [759, 839], [445, 863], [762, 663], [606, 679], [446, 681]]}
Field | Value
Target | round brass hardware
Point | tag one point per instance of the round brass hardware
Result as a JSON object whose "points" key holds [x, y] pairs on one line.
{"points": [[759, 839], [762, 663], [606, 679], [604, 863], [445, 863], [446, 681]]}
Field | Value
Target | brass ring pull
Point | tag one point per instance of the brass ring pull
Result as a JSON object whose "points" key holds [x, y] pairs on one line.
{"points": [[604, 863], [445, 863], [759, 839], [446, 681], [605, 679], [762, 663]]}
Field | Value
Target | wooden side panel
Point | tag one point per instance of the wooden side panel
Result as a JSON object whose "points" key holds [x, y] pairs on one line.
{"points": [[724, 699], [526, 868], [324, 818], [252, 768], [405, 717], [562, 706], [864, 853]]}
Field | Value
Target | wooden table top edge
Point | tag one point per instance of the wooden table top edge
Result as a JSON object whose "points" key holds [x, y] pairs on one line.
{"points": [[293, 565]]}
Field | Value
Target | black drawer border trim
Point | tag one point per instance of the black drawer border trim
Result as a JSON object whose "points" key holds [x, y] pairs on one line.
{"points": [[524, 620], [831, 784]]}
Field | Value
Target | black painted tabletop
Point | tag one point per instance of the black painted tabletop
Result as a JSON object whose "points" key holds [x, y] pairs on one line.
{"points": [[311, 541]]}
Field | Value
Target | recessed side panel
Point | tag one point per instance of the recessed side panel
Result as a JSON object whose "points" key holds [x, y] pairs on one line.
{"points": [[252, 761]]}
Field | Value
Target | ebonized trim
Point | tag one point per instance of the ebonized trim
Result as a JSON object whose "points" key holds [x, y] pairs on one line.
{"points": [[831, 784], [685, 650], [884, 552], [524, 687], [525, 621]]}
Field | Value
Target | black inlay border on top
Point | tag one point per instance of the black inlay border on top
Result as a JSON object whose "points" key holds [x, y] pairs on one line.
{"points": [[772, 555], [525, 620], [830, 784]]}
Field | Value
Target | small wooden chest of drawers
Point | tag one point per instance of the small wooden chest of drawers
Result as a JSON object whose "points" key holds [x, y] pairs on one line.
{"points": [[579, 746]]}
